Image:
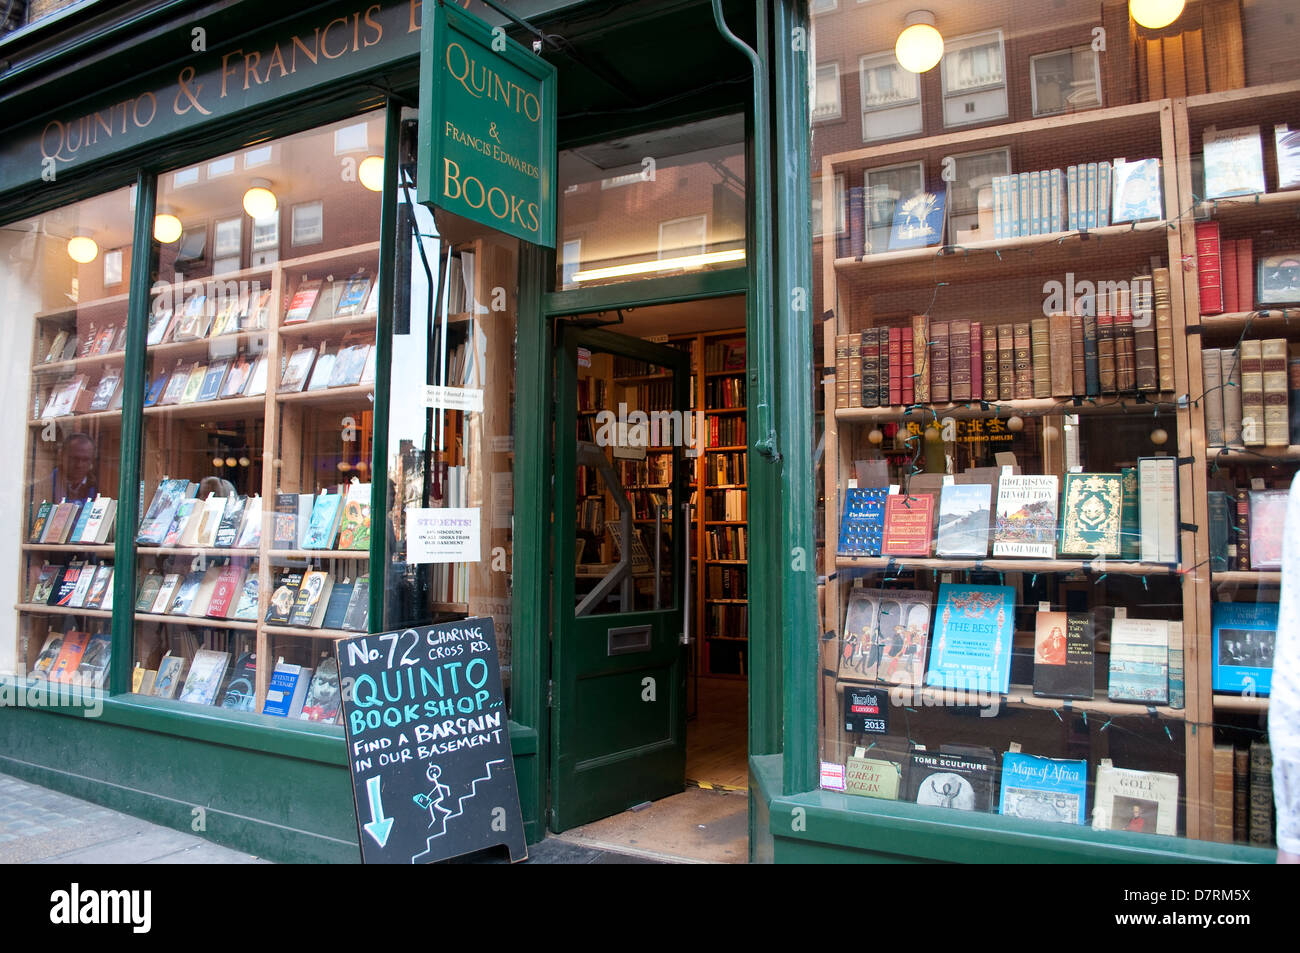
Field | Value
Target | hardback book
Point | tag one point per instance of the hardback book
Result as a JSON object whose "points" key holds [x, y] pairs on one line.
{"points": [[1139, 661], [1136, 193], [337, 605], [873, 777], [1145, 357], [1273, 365], [324, 695], [1267, 517], [210, 387], [353, 297], [194, 384], [226, 591], [1228, 276], [250, 529], [1209, 272], [920, 358], [311, 599], [1064, 655], [240, 690], [1024, 362], [323, 526], [283, 597], [1130, 526], [162, 511], [906, 363], [1026, 517], [973, 632], [1245, 634], [246, 608], [1040, 341], [1222, 760], [44, 663], [171, 672], [964, 519], [895, 366], [1293, 384], [1241, 533], [354, 522], [93, 670], [297, 370], [288, 689], [1261, 793], [1252, 393], [205, 676], [1106, 353], [1144, 802], [228, 526], [357, 616], [1241, 795], [166, 593], [1234, 162], [862, 522], [869, 394], [99, 587], [853, 365], [977, 360], [186, 593], [1211, 369], [214, 507], [256, 386], [1078, 363], [1060, 355], [65, 666], [857, 222], [961, 780], [886, 632], [842, 371], [1092, 514], [1177, 674], [1043, 789], [1158, 509], [1006, 362], [989, 350], [304, 299], [44, 585], [106, 390], [1164, 328], [1091, 355], [149, 588], [38, 524], [320, 375], [940, 366], [908, 522], [959, 370], [1125, 349], [1222, 520], [286, 521]]}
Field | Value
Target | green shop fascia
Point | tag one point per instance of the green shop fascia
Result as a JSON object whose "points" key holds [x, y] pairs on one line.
{"points": [[110, 97]]}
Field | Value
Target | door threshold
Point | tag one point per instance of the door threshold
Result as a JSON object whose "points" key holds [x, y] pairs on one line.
{"points": [[698, 826], [581, 840]]}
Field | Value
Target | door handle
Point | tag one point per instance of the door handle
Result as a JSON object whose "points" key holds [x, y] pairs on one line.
{"points": [[686, 578]]}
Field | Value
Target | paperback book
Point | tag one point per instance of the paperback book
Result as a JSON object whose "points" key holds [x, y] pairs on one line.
{"points": [[1245, 634], [1026, 517], [1145, 802], [973, 632], [961, 780], [1063, 655], [1044, 789], [886, 632], [964, 512]]}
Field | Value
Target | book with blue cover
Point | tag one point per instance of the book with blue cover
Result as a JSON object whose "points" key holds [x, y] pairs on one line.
{"points": [[918, 221], [324, 522], [1244, 638], [964, 519], [1137, 194], [287, 689], [973, 628], [1044, 789], [862, 523]]}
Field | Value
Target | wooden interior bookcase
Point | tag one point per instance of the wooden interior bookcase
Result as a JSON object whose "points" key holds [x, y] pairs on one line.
{"points": [[859, 291]]}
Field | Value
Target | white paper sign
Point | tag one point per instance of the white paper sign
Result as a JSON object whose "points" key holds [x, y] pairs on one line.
{"points": [[442, 535], [503, 444], [503, 499], [454, 398]]}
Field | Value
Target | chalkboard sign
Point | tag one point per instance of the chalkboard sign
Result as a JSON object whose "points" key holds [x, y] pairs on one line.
{"points": [[428, 744]]}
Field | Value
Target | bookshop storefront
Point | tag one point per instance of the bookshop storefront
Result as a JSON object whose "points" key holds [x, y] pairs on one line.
{"points": [[1013, 283]]}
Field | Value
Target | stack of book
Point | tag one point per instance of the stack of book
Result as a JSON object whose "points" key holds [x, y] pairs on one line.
{"points": [[177, 517], [78, 585], [315, 599], [1225, 271], [1250, 398], [89, 522], [219, 592], [1246, 528]]}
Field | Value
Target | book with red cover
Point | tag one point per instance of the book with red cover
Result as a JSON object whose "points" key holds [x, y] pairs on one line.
{"points": [[895, 366], [230, 583], [301, 304], [939, 379], [1209, 273], [1228, 265], [908, 524], [1245, 274], [65, 666], [908, 368], [959, 369], [976, 360]]}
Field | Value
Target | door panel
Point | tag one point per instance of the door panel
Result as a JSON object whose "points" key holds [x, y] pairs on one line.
{"points": [[618, 664]]}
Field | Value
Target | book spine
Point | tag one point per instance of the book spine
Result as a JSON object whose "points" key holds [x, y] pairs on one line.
{"points": [[1177, 686], [1090, 197], [1277, 431], [855, 367], [895, 366], [857, 222], [1230, 379], [1222, 794], [1167, 498], [1209, 273], [1252, 394], [1078, 366], [841, 371], [1025, 205], [1242, 500], [1221, 510], [1092, 376], [939, 368], [907, 368], [1013, 206], [1130, 528], [1072, 196], [1106, 353], [977, 360], [1261, 793], [999, 216], [1060, 356], [1035, 203], [1041, 356], [1103, 193], [959, 360], [1024, 362], [1006, 362], [1164, 329], [990, 354], [1211, 369], [1148, 516], [1240, 795], [1228, 276], [921, 357], [870, 396], [1058, 201], [1293, 379], [1245, 274], [1126, 353]]}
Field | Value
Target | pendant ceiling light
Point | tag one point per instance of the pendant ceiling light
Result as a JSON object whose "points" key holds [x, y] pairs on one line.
{"points": [[166, 228], [1155, 14], [259, 200], [371, 173], [82, 248], [920, 45]]}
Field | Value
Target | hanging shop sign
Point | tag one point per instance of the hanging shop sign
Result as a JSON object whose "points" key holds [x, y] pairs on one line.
{"points": [[487, 127], [428, 744]]}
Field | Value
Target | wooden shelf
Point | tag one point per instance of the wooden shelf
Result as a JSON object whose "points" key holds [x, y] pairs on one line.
{"points": [[727, 486], [326, 396], [196, 620], [36, 608], [210, 409], [727, 562], [1037, 407], [1252, 703], [1222, 455], [309, 633], [725, 449], [357, 257], [1232, 323], [78, 363], [223, 345], [196, 551], [1252, 211], [451, 606], [739, 602], [1003, 564], [327, 327], [1248, 577], [726, 522], [99, 549], [725, 410], [1020, 696], [319, 553], [740, 372], [73, 309], [102, 417]]}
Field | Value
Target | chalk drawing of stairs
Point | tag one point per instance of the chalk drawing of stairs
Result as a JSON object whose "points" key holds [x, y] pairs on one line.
{"points": [[460, 808]]}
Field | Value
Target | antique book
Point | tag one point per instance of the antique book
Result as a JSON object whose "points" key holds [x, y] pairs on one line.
{"points": [[853, 352], [886, 633], [1125, 349], [1023, 362], [959, 360], [873, 777], [1277, 428], [205, 677], [962, 780], [1241, 528], [1043, 789], [1267, 516], [862, 522], [1243, 643], [906, 368], [940, 388], [1060, 355], [1130, 521], [1252, 393], [869, 395], [1211, 369], [895, 367], [882, 389], [1222, 517], [1139, 661], [1025, 524], [1222, 761], [1040, 340], [1078, 363], [1064, 655], [1158, 508], [841, 371], [908, 521], [1245, 273], [1164, 328], [1006, 362], [1230, 376], [1241, 795], [1144, 802], [921, 357], [989, 351], [1261, 793], [977, 360], [1228, 277], [973, 632], [1209, 273], [1091, 515], [1106, 353], [1091, 368], [964, 512]]}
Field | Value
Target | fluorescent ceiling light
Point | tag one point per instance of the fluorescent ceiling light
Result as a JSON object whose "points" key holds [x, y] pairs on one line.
{"points": [[660, 264]]}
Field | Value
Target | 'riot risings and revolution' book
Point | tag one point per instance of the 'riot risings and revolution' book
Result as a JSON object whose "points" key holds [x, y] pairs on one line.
{"points": [[862, 523], [1063, 655], [957, 778], [1043, 789], [886, 632], [1026, 517], [1091, 514], [1144, 802], [1244, 637], [973, 630], [964, 519]]}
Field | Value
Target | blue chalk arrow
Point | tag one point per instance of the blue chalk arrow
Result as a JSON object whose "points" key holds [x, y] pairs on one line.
{"points": [[381, 826]]}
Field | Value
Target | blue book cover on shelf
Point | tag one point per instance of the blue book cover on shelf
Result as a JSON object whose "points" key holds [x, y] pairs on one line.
{"points": [[862, 524], [973, 626], [1244, 635], [1043, 789], [279, 694], [324, 521], [1137, 191], [918, 221]]}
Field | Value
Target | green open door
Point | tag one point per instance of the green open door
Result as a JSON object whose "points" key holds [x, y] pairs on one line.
{"points": [[618, 693]]}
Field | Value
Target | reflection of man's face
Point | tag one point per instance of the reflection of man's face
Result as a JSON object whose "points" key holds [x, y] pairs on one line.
{"points": [[1137, 811], [78, 458]]}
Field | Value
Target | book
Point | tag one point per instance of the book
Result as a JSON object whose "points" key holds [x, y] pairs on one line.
{"points": [[236, 378], [1241, 528], [1024, 362], [286, 521], [185, 525], [940, 363], [323, 525], [1177, 674], [1293, 385], [1139, 661], [225, 592], [1026, 517], [886, 632], [353, 297], [350, 364], [250, 528], [210, 385], [240, 690], [1243, 641], [162, 511], [895, 383], [1092, 514], [106, 390], [1252, 392], [873, 777], [973, 632], [1061, 356], [1241, 795], [1223, 796], [1212, 388], [962, 780], [1064, 655], [324, 695], [65, 588], [1158, 509], [964, 516], [336, 607], [176, 384], [194, 384], [1040, 357], [167, 588], [1234, 161], [354, 521], [93, 670], [283, 597], [1164, 329], [920, 359], [989, 350], [918, 221], [246, 608], [60, 523], [1209, 271], [908, 521], [1136, 192], [959, 360], [256, 386], [65, 665], [214, 507], [297, 370], [203, 681], [1261, 793], [1043, 789], [1091, 356], [232, 516], [321, 373], [300, 305], [1144, 802], [99, 586], [43, 588], [99, 515], [171, 672], [1273, 367], [1267, 517], [1230, 388], [1287, 147], [186, 592], [38, 522], [288, 689], [1006, 362], [82, 588], [862, 522], [1106, 353], [311, 599], [49, 654], [357, 617]]}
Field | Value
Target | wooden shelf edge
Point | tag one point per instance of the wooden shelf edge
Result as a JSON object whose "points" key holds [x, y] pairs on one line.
{"points": [[326, 394], [1252, 454], [196, 620], [1005, 564], [1020, 696], [196, 551], [1249, 577], [319, 553], [1252, 703], [308, 633], [1033, 407], [36, 608]]}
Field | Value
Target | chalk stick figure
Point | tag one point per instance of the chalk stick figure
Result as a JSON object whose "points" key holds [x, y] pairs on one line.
{"points": [[432, 801]]}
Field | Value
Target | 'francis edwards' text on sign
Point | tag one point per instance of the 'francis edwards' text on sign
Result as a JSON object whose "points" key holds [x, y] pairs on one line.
{"points": [[428, 744], [487, 127]]}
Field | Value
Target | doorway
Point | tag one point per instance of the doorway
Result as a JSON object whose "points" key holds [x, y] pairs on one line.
{"points": [[651, 507]]}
